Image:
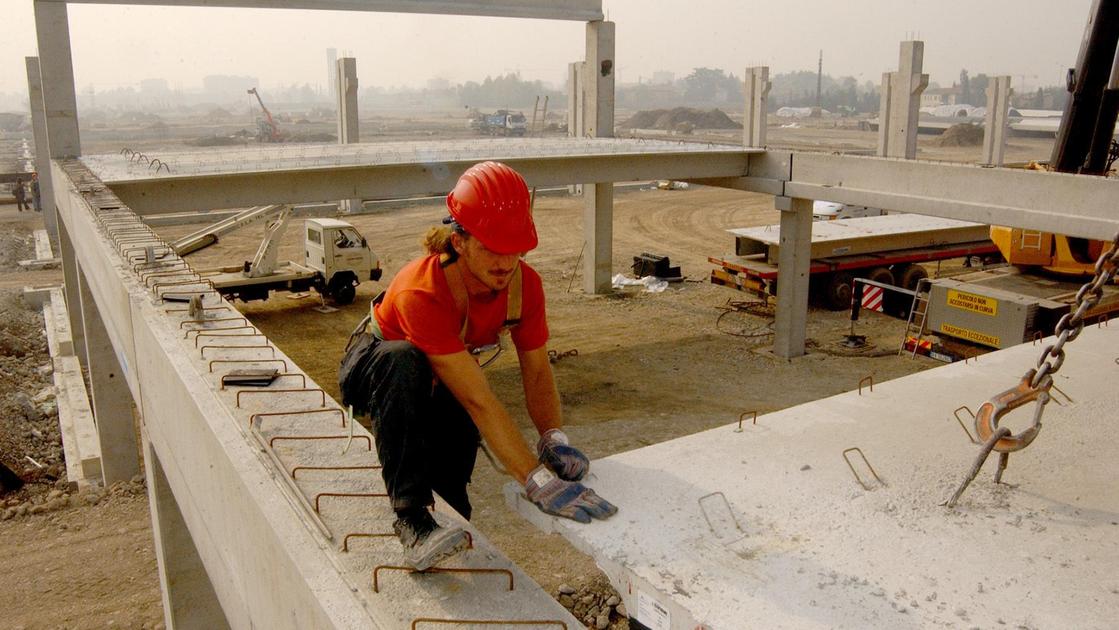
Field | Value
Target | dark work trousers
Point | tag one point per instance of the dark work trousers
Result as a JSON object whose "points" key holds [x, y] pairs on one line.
{"points": [[426, 441]]}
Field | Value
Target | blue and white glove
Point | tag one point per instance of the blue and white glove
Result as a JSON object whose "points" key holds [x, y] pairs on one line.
{"points": [[560, 457], [569, 499]]}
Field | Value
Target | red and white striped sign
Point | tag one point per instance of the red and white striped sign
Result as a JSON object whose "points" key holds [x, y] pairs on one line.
{"points": [[872, 298]]}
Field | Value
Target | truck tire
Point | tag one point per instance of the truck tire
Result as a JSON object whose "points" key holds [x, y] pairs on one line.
{"points": [[837, 291], [882, 275], [909, 275], [341, 289]]}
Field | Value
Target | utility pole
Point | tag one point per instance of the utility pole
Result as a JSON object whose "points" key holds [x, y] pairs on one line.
{"points": [[819, 78]]}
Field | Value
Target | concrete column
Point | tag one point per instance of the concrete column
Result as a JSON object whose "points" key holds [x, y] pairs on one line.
{"points": [[793, 262], [348, 128], [42, 152], [598, 122], [189, 600], [576, 106], [997, 121], [57, 71], [897, 129], [757, 97], [110, 397], [70, 273]]}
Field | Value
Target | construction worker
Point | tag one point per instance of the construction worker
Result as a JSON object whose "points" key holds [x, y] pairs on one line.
{"points": [[416, 372], [20, 195], [36, 199]]}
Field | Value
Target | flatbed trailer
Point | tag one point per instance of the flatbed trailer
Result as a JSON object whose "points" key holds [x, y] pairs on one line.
{"points": [[831, 277]]}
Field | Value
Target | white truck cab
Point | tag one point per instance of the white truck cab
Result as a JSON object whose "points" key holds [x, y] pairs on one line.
{"points": [[337, 251]]}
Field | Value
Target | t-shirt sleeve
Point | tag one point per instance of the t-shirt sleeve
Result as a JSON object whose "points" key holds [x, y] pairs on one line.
{"points": [[427, 323], [532, 332]]}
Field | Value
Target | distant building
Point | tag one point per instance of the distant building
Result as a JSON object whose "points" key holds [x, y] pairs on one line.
{"points": [[154, 86], [663, 77], [934, 97]]}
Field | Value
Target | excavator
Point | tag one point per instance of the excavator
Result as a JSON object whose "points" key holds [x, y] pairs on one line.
{"points": [[1085, 145], [269, 131]]}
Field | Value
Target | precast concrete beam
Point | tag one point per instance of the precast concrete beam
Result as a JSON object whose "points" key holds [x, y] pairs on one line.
{"points": [[236, 472], [780, 521], [395, 170], [577, 10], [1076, 205]]}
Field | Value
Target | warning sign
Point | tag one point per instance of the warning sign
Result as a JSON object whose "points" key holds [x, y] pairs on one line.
{"points": [[972, 302], [970, 335]]}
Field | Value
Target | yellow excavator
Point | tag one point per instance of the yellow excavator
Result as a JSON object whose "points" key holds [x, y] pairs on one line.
{"points": [[1085, 145]]}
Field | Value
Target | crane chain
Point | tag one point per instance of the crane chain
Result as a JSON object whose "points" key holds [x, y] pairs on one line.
{"points": [[1036, 383]]}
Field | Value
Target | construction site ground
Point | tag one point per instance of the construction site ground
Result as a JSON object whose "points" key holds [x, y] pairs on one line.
{"points": [[636, 369]]}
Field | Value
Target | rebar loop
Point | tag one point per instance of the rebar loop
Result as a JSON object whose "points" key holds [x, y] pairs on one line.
{"points": [[865, 461]]}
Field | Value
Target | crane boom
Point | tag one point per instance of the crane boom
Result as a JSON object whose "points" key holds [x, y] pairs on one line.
{"points": [[274, 135]]}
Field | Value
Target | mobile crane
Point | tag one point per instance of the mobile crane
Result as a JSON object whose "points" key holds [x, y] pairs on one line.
{"points": [[269, 131]]}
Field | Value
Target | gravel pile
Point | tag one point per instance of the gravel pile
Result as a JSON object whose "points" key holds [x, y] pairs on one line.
{"points": [[30, 440], [673, 118], [63, 495], [961, 135], [597, 605]]}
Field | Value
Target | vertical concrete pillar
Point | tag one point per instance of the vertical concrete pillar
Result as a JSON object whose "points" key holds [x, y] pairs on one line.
{"points": [[56, 68], [793, 262], [757, 98], [189, 600], [598, 122], [576, 108], [348, 129], [997, 121], [42, 152], [897, 126], [111, 399], [70, 289]]}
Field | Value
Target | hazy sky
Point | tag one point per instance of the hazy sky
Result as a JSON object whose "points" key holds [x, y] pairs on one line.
{"points": [[1033, 40]]}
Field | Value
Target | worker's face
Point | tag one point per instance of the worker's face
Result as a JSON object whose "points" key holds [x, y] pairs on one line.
{"points": [[491, 269]]}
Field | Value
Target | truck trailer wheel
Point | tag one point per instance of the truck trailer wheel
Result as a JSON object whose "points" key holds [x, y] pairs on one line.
{"points": [[882, 275], [837, 291], [341, 289], [909, 275]]}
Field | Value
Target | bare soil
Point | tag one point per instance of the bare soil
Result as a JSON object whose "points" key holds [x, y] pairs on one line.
{"points": [[649, 368]]}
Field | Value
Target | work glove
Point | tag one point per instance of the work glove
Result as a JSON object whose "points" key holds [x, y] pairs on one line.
{"points": [[566, 461], [569, 499]]}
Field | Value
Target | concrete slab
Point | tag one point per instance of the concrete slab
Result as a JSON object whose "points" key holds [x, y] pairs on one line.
{"points": [[768, 526]]}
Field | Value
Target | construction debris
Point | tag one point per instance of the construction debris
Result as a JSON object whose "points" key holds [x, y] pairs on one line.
{"points": [[961, 135]]}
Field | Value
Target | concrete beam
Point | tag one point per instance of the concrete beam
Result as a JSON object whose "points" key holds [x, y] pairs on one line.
{"points": [[997, 121], [1077, 205], [757, 99], [578, 10], [432, 177], [794, 260], [770, 524]]}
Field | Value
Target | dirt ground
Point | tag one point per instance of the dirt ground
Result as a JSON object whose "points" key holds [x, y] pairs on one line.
{"points": [[649, 367]]}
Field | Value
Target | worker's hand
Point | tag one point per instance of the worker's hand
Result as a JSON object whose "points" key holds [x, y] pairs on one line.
{"points": [[561, 458], [568, 499]]}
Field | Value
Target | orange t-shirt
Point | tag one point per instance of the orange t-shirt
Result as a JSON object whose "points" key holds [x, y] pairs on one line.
{"points": [[420, 308]]}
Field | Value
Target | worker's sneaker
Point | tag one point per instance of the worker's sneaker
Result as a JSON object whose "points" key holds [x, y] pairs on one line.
{"points": [[425, 541]]}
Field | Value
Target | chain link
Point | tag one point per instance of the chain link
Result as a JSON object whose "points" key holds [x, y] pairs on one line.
{"points": [[1072, 323], [1049, 363]]}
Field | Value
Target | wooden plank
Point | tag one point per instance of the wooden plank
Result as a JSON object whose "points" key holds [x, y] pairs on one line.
{"points": [[864, 235]]}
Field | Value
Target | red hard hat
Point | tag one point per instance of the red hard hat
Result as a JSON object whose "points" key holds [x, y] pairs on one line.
{"points": [[491, 202]]}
